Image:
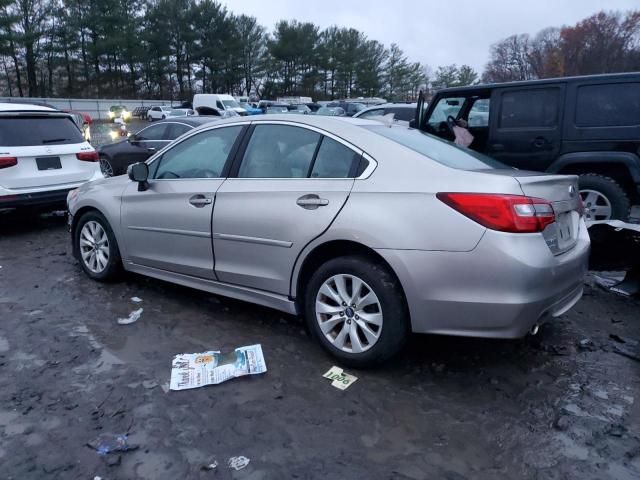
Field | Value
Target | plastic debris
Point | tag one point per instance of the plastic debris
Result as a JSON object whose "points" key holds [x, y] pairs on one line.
{"points": [[136, 299], [211, 466], [238, 463], [133, 317], [340, 379], [193, 370], [108, 443]]}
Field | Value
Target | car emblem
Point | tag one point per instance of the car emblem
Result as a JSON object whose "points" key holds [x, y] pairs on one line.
{"points": [[48, 150], [572, 190]]}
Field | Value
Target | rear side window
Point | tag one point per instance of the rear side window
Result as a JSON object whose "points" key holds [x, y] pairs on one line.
{"points": [[156, 132], [333, 160], [279, 151], [612, 105], [536, 108], [29, 131], [376, 112]]}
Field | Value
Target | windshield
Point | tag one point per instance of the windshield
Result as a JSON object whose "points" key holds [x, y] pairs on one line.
{"points": [[442, 151], [38, 130], [231, 104], [444, 108], [358, 107]]}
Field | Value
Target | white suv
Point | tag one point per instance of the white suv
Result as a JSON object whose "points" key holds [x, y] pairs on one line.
{"points": [[43, 155], [158, 113]]}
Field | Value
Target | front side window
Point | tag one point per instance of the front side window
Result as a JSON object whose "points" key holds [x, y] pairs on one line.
{"points": [[404, 114], [155, 132], [612, 105], [176, 130], [534, 108], [203, 155], [333, 160], [279, 151]]}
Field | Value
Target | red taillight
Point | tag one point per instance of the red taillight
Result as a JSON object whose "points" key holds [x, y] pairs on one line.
{"points": [[6, 162], [88, 156], [505, 213]]}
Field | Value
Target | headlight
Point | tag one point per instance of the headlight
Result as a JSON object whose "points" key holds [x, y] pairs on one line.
{"points": [[111, 114], [114, 135], [126, 114]]}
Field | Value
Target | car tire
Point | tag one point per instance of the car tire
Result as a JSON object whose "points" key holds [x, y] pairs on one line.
{"points": [[149, 118], [601, 194], [93, 225], [387, 306], [106, 167], [164, 117]]}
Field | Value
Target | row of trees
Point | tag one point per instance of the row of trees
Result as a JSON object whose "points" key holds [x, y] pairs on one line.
{"points": [[603, 43], [174, 48]]}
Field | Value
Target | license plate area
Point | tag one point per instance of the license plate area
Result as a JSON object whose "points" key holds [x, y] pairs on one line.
{"points": [[48, 163], [566, 230]]}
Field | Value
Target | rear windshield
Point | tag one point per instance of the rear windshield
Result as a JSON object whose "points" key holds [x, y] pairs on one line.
{"points": [[446, 153], [29, 131]]}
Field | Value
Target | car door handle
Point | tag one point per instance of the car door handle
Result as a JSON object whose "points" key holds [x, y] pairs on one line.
{"points": [[200, 201], [539, 142], [151, 149], [497, 147], [311, 202]]}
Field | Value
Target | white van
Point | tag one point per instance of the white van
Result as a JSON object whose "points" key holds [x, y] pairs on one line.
{"points": [[220, 102]]}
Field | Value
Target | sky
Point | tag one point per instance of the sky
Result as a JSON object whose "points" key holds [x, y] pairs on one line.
{"points": [[429, 31]]}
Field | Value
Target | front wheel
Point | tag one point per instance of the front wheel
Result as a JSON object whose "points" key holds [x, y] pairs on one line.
{"points": [[356, 309], [603, 198], [96, 247]]}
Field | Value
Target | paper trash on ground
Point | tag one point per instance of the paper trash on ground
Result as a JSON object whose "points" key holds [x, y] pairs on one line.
{"points": [[340, 379], [136, 299], [193, 370], [133, 317]]}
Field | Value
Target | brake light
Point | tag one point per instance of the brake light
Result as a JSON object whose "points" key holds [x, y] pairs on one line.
{"points": [[6, 162], [88, 156], [505, 213]]}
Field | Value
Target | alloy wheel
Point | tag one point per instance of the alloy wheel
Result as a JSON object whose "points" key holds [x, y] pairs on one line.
{"points": [[105, 167], [94, 246], [596, 205], [349, 313]]}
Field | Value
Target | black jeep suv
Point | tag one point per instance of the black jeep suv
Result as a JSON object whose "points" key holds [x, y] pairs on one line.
{"points": [[589, 126]]}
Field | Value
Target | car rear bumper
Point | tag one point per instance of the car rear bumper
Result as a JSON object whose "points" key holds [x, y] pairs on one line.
{"points": [[35, 199], [501, 289]]}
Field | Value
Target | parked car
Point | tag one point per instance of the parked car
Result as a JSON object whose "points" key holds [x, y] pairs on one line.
{"points": [[140, 112], [350, 108], [116, 157], [181, 112], [275, 108], [331, 111], [402, 112], [251, 110], [43, 155], [158, 112], [299, 108], [370, 231], [218, 101], [587, 126], [266, 104], [313, 106], [119, 111]]}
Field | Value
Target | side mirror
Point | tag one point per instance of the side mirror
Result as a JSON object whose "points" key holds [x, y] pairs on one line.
{"points": [[139, 172]]}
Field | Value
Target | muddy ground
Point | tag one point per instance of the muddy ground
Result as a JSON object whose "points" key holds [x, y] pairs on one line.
{"points": [[561, 405]]}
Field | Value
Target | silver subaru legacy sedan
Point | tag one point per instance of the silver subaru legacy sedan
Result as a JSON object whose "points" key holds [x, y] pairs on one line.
{"points": [[369, 231]]}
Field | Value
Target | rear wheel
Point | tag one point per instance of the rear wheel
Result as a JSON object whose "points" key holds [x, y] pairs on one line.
{"points": [[355, 308], [105, 167], [603, 198], [97, 248]]}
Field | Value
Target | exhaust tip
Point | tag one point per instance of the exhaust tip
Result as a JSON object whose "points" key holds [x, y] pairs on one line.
{"points": [[534, 329]]}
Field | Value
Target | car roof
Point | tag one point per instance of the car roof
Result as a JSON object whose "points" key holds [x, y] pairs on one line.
{"points": [[484, 88], [192, 121], [24, 107]]}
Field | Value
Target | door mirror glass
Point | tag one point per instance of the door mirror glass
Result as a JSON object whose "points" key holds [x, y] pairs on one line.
{"points": [[138, 172]]}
